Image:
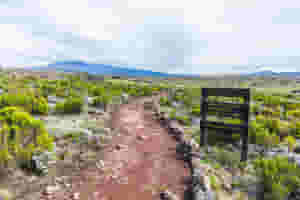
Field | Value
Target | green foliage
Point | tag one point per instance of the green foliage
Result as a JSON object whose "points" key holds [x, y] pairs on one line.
{"points": [[214, 184], [102, 100], [164, 101], [254, 108], [185, 120], [278, 175], [196, 110], [27, 100], [16, 126], [217, 166], [293, 106], [291, 141], [227, 158], [294, 113], [70, 105], [294, 128]]}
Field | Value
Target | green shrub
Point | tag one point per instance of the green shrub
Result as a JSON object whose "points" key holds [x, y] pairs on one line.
{"points": [[278, 175], [70, 105], [17, 123], [26, 100], [227, 158], [196, 111], [164, 101], [291, 141], [294, 113], [185, 120]]}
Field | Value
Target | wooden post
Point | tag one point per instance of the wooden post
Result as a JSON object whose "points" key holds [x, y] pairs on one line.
{"points": [[245, 132], [203, 130]]}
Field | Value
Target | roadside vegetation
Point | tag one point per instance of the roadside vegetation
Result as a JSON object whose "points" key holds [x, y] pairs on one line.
{"points": [[30, 142]]}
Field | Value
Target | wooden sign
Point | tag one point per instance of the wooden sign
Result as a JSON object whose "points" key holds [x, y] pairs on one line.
{"points": [[234, 110]]}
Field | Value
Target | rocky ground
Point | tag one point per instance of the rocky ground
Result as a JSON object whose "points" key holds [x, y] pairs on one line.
{"points": [[135, 160], [137, 163]]}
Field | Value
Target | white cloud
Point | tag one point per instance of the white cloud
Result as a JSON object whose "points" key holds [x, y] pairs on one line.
{"points": [[169, 35]]}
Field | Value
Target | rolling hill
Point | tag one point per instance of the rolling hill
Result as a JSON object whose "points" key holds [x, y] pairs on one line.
{"points": [[101, 69]]}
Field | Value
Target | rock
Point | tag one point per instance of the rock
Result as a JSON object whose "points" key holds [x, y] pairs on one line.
{"points": [[101, 163], [125, 98], [196, 163], [202, 179], [297, 149], [32, 179], [59, 180], [120, 146], [76, 196], [225, 178], [51, 189], [270, 154], [167, 195], [204, 195], [141, 137], [231, 148], [281, 149], [194, 144]]}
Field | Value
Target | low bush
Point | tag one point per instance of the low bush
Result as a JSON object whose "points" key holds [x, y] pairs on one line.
{"points": [[279, 176], [196, 111], [164, 101], [70, 105], [227, 158]]}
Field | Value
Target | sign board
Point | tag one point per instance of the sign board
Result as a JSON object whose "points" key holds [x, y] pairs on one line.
{"points": [[234, 110]]}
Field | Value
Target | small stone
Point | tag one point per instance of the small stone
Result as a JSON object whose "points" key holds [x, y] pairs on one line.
{"points": [[120, 146], [297, 149], [31, 179], [141, 137], [76, 196], [101, 162], [167, 195], [51, 189]]}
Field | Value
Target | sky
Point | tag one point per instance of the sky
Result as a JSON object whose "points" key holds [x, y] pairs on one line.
{"points": [[175, 36]]}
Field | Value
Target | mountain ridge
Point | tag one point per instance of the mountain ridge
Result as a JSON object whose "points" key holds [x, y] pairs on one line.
{"points": [[104, 69]]}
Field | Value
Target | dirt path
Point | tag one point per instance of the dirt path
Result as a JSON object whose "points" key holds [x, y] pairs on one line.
{"points": [[141, 164]]}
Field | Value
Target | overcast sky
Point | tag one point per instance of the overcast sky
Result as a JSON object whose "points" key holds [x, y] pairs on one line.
{"points": [[184, 36]]}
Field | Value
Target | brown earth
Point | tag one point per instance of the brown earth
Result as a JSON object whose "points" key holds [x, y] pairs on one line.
{"points": [[144, 162]]}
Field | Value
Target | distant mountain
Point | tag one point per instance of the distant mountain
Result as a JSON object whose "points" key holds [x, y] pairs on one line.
{"points": [[101, 69], [271, 73], [264, 73]]}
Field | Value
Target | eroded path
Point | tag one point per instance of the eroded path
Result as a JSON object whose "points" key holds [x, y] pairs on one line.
{"points": [[143, 162]]}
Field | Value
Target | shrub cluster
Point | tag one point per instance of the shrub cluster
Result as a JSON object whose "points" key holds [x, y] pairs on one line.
{"points": [[279, 177], [70, 105]]}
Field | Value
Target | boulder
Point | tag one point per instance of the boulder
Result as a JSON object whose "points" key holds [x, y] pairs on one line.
{"points": [[200, 177], [51, 189], [175, 128], [167, 195], [125, 98], [297, 149], [194, 144]]}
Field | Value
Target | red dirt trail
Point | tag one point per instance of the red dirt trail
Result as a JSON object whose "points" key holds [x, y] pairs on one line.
{"points": [[145, 164]]}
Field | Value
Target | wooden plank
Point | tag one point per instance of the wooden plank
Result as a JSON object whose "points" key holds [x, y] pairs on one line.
{"points": [[225, 110], [228, 114], [226, 92], [222, 125], [226, 105]]}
